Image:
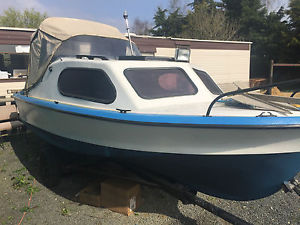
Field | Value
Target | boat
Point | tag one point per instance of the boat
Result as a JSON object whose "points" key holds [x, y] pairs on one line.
{"points": [[89, 92]]}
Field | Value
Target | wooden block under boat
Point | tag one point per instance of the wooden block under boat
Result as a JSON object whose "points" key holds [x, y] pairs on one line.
{"points": [[120, 195], [8, 112], [7, 126]]}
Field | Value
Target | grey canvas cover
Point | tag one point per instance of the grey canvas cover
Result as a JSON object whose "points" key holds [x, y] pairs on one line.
{"points": [[52, 33]]}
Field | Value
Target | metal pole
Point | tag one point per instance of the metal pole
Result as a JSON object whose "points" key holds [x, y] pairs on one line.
{"points": [[271, 77], [125, 15]]}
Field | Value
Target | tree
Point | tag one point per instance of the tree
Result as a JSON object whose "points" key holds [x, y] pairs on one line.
{"points": [[141, 27], [212, 3], [250, 14], [29, 18], [205, 21], [209, 22], [294, 25], [274, 5], [168, 23]]}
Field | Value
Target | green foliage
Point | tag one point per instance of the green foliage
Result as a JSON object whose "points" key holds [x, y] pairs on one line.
{"points": [[26, 209], [205, 21], [209, 22], [141, 27], [294, 13], [274, 35], [269, 33], [31, 189], [20, 181], [65, 212], [294, 25], [212, 3], [29, 18], [250, 14], [168, 23]]}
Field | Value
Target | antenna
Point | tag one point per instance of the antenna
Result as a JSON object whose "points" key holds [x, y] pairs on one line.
{"points": [[125, 15]]}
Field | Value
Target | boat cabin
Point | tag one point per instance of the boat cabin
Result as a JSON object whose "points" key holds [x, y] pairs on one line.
{"points": [[96, 68]]}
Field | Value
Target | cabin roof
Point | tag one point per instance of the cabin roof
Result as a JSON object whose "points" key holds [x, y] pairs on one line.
{"points": [[64, 28]]}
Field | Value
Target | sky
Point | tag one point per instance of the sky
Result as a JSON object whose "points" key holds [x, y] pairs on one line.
{"points": [[108, 12]]}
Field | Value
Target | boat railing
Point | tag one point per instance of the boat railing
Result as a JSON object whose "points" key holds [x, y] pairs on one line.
{"points": [[242, 91]]}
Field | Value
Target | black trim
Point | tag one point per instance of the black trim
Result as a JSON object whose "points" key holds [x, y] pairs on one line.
{"points": [[147, 58]]}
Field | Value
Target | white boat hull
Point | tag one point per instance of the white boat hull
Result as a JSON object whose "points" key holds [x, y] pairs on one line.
{"points": [[161, 138], [233, 163]]}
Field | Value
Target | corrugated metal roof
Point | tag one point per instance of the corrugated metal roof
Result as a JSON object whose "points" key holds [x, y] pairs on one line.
{"points": [[15, 36]]}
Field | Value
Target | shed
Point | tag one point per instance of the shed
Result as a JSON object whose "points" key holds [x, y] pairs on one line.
{"points": [[225, 61]]}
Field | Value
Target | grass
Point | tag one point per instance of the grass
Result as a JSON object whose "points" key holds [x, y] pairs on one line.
{"points": [[65, 211], [31, 190], [26, 209], [21, 181], [3, 168]]}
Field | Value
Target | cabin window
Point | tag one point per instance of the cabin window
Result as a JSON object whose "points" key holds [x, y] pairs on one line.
{"points": [[208, 82], [152, 83], [88, 84], [110, 48]]}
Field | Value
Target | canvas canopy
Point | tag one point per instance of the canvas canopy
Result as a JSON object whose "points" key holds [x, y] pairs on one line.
{"points": [[53, 32]]}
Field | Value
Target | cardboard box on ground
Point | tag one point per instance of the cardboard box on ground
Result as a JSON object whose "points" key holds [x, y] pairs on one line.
{"points": [[118, 195]]}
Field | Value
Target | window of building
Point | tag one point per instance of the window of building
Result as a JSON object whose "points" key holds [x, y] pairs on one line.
{"points": [[15, 64], [88, 84], [152, 83]]}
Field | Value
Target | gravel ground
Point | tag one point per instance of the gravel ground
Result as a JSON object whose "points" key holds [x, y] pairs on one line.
{"points": [[19, 174]]}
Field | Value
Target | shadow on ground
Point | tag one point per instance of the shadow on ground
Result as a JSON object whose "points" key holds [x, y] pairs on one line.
{"points": [[28, 147]]}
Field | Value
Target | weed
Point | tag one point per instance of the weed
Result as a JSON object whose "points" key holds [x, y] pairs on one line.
{"points": [[10, 218], [20, 171], [32, 190], [2, 168], [28, 218], [26, 209], [65, 211], [19, 181], [2, 143]]}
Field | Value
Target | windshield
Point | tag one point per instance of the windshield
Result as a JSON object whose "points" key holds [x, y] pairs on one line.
{"points": [[111, 48], [208, 82], [152, 83]]}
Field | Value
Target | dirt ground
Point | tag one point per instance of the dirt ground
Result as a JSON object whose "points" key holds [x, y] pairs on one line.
{"points": [[19, 176]]}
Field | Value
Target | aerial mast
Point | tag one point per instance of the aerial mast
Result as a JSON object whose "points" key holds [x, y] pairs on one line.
{"points": [[125, 15]]}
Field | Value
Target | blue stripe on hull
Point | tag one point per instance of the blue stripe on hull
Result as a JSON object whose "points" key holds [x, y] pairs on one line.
{"points": [[237, 177], [152, 119]]}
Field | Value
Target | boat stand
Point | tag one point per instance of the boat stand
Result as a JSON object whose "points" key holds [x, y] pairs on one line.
{"points": [[51, 170], [178, 191], [292, 186], [187, 196]]}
